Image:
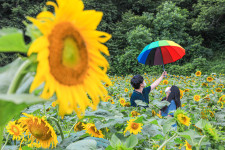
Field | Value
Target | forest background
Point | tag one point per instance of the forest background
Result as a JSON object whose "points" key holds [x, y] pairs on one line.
{"points": [[197, 25]]}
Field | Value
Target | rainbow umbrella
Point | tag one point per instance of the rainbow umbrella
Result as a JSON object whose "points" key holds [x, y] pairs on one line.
{"points": [[161, 53]]}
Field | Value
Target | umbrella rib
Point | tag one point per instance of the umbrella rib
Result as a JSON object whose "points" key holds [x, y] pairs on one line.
{"points": [[170, 54], [176, 51]]}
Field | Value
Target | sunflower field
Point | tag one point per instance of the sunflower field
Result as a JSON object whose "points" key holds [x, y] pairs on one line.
{"points": [[58, 95]]}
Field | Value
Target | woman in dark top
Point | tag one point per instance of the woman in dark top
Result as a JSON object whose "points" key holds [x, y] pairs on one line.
{"points": [[173, 96]]}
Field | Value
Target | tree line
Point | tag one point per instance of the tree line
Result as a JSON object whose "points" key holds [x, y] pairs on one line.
{"points": [[197, 25]]}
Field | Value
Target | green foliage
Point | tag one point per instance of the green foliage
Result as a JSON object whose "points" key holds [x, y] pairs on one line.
{"points": [[198, 26], [11, 40], [117, 144]]}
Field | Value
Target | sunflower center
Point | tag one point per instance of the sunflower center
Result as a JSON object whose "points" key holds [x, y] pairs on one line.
{"points": [[15, 130], [68, 55], [134, 126], [79, 126], [184, 119], [39, 130], [93, 128], [71, 56]]}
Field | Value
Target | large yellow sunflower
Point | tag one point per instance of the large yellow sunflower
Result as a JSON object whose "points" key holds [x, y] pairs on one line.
{"points": [[122, 101], [185, 120], [15, 130], [133, 127], [69, 56], [221, 86], [209, 79], [93, 131], [222, 99], [165, 82], [182, 117], [39, 130], [134, 113], [198, 73], [197, 97], [218, 90]]}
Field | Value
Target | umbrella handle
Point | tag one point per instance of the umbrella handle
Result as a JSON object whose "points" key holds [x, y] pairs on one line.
{"points": [[164, 70]]}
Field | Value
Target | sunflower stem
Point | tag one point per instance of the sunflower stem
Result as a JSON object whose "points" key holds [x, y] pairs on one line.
{"points": [[1, 135], [5, 142], [18, 77], [200, 142], [59, 126], [44, 110], [165, 142], [72, 128]]}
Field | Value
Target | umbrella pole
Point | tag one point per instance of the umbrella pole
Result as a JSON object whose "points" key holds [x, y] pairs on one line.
{"points": [[162, 61]]}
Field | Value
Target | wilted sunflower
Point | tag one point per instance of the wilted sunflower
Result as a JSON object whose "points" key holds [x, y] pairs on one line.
{"points": [[92, 130], [198, 73], [133, 127], [15, 130], [134, 113], [79, 126], [182, 117], [39, 130], [127, 104], [218, 90], [122, 101], [69, 56], [207, 97], [153, 113], [186, 90], [197, 97], [187, 146], [130, 94], [210, 79]]}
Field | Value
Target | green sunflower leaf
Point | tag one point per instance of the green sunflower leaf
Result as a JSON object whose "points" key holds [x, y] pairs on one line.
{"points": [[131, 142], [13, 104], [11, 40]]}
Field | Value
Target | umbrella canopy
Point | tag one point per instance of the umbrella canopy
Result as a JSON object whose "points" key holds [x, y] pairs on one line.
{"points": [[161, 52]]}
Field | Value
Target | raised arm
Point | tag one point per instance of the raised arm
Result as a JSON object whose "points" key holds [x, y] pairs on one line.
{"points": [[156, 83]]}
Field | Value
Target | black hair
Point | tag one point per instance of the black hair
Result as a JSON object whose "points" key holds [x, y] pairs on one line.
{"points": [[174, 95], [136, 81]]}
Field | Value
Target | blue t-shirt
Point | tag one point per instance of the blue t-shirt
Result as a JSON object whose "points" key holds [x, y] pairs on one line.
{"points": [[170, 108], [144, 96]]}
